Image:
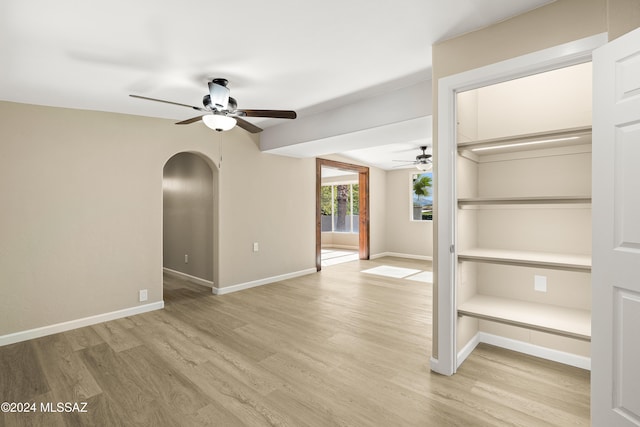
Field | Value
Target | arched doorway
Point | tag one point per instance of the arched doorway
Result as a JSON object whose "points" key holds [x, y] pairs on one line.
{"points": [[189, 231]]}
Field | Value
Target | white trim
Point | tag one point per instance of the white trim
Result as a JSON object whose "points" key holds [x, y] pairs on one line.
{"points": [[445, 161], [535, 350], [188, 277], [401, 255], [468, 349], [435, 365], [332, 246], [78, 323], [260, 282]]}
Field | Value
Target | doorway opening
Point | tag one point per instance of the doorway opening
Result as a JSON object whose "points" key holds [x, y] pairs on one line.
{"points": [[342, 211], [188, 231]]}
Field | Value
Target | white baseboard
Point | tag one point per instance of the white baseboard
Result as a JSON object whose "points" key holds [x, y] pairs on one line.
{"points": [[188, 277], [78, 323], [260, 282], [526, 348], [467, 349], [332, 246], [400, 255]]}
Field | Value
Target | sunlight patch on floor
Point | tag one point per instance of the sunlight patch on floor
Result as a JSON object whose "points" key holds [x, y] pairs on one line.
{"points": [[401, 273], [425, 276], [334, 256]]}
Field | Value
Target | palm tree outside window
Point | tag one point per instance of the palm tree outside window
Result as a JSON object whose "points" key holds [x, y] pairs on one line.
{"points": [[422, 196], [340, 207]]}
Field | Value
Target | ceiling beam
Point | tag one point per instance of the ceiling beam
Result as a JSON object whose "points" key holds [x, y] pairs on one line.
{"points": [[382, 119]]}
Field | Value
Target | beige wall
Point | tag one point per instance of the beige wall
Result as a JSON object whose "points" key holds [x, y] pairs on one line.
{"points": [[340, 240], [622, 17], [559, 22], [522, 106], [405, 236], [81, 210], [266, 199]]}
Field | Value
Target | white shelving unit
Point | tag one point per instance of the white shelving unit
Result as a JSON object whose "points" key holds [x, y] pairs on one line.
{"points": [[514, 186], [524, 214]]}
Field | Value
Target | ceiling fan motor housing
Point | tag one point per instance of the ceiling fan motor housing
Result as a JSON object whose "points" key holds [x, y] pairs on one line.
{"points": [[219, 95], [424, 157]]}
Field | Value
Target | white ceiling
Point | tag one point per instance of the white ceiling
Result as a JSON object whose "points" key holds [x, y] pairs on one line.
{"points": [[277, 54], [392, 156]]}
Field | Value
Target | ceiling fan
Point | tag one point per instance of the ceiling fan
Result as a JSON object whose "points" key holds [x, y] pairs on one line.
{"points": [[222, 111], [422, 162]]}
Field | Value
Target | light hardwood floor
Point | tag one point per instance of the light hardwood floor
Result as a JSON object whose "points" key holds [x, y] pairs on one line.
{"points": [[338, 348]]}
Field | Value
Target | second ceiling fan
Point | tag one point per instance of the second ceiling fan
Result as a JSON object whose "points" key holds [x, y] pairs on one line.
{"points": [[222, 111], [423, 161]]}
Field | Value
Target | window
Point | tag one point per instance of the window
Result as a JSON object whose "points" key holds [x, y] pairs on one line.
{"points": [[422, 196], [340, 205]]}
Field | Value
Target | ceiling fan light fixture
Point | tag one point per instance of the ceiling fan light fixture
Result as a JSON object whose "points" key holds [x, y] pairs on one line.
{"points": [[218, 122], [423, 166]]}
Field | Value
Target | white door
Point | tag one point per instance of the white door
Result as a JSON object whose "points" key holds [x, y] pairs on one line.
{"points": [[615, 358]]}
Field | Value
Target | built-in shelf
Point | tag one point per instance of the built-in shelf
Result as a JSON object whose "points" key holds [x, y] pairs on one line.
{"points": [[521, 175], [575, 262], [568, 322], [538, 200], [556, 138]]}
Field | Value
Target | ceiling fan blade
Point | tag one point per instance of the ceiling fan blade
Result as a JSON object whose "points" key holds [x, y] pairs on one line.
{"points": [[249, 127], [168, 102], [189, 121], [276, 114]]}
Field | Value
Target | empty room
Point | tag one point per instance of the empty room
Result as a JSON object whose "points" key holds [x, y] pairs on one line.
{"points": [[347, 213]]}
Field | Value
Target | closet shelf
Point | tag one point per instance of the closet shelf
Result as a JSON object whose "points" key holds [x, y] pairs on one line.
{"points": [[574, 262], [556, 137], [568, 322], [538, 200]]}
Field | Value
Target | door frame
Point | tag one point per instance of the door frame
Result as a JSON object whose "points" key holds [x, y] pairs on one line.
{"points": [[445, 358], [363, 223]]}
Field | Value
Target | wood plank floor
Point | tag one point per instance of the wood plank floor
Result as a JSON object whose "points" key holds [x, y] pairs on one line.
{"points": [[338, 348]]}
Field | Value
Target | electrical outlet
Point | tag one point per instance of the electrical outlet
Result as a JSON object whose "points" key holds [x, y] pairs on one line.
{"points": [[142, 295], [186, 258], [540, 283], [256, 247]]}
